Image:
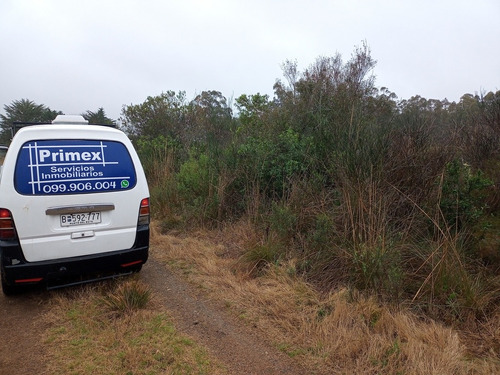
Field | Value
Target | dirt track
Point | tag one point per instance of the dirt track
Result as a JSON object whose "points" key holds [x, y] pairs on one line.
{"points": [[235, 345], [21, 330]]}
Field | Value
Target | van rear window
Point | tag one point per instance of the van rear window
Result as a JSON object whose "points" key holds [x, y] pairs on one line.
{"points": [[54, 167]]}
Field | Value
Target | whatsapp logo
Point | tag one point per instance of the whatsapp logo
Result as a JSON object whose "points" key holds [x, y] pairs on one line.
{"points": [[124, 184]]}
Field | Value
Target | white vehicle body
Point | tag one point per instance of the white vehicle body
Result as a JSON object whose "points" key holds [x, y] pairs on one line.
{"points": [[78, 202]]}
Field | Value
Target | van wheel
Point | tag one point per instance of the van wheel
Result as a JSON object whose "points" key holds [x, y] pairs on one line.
{"points": [[7, 289]]}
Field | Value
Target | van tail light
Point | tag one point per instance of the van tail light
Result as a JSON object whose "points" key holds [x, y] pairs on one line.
{"points": [[7, 230], [144, 212]]}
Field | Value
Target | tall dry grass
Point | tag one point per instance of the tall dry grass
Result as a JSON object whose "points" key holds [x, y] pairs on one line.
{"points": [[335, 333]]}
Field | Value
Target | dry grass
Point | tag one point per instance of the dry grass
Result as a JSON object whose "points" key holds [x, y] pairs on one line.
{"points": [[336, 333], [98, 330]]}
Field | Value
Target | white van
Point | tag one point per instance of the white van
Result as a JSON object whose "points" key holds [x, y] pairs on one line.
{"points": [[74, 205]]}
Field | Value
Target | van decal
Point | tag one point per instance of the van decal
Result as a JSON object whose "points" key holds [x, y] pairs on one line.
{"points": [[49, 167]]}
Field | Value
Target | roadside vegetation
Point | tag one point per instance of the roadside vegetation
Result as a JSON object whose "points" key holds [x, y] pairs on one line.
{"points": [[342, 331], [398, 199], [354, 204], [118, 328]]}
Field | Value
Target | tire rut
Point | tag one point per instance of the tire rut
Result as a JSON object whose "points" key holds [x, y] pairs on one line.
{"points": [[237, 346]]}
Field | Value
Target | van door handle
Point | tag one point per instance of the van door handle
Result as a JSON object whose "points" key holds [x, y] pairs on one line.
{"points": [[86, 234], [61, 210]]}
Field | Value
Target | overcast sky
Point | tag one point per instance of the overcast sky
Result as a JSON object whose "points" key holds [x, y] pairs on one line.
{"points": [[75, 56]]}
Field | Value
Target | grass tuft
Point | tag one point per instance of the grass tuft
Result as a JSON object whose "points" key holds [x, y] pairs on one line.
{"points": [[128, 297]]}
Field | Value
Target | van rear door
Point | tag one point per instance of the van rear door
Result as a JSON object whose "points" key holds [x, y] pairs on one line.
{"points": [[77, 191]]}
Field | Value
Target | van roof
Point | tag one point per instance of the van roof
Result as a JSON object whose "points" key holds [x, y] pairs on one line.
{"points": [[69, 131], [71, 120]]}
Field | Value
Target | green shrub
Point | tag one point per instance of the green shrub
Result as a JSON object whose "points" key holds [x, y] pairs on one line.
{"points": [[462, 194], [262, 255], [164, 199], [283, 221], [158, 156], [320, 237], [195, 184], [377, 267]]}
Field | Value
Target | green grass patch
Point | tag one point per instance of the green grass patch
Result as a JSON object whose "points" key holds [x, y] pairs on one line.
{"points": [[88, 336]]}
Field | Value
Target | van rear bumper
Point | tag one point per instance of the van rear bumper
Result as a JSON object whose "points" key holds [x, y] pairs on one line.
{"points": [[75, 270]]}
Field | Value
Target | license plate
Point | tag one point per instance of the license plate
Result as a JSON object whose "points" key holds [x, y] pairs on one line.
{"points": [[83, 218]]}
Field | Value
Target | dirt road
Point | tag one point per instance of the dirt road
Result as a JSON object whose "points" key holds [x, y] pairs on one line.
{"points": [[21, 331], [207, 322]]}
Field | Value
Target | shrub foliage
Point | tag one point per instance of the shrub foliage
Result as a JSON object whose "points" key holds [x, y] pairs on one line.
{"points": [[391, 196]]}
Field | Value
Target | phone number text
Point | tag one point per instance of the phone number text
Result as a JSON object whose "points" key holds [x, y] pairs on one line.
{"points": [[79, 186]]}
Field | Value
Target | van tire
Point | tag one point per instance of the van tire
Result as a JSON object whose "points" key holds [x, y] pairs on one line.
{"points": [[7, 289]]}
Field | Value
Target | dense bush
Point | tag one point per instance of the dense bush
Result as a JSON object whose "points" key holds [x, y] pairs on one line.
{"points": [[396, 197]]}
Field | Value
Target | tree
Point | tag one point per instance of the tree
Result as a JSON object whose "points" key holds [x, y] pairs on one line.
{"points": [[252, 109], [158, 115], [24, 110], [209, 121], [332, 103], [98, 118]]}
